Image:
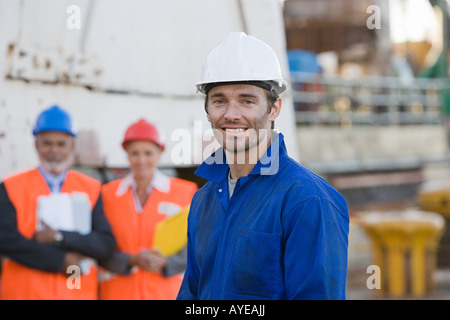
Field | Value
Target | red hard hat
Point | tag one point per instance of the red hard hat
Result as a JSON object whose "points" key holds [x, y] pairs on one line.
{"points": [[142, 130]]}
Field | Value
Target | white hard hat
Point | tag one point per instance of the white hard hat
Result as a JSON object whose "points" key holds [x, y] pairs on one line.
{"points": [[242, 58]]}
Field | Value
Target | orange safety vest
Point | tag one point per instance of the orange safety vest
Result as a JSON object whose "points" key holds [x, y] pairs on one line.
{"points": [[21, 282], [134, 231]]}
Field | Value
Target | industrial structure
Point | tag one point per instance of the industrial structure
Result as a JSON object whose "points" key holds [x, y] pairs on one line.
{"points": [[367, 105]]}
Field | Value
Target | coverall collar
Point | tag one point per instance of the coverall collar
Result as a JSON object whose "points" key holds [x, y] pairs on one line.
{"points": [[212, 169]]}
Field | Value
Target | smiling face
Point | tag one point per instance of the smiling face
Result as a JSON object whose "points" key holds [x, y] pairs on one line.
{"points": [[55, 150], [241, 116], [143, 157]]}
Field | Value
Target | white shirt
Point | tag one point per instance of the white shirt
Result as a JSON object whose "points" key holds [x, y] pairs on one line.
{"points": [[160, 181]]}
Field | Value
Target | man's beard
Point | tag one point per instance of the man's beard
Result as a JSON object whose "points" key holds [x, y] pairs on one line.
{"points": [[246, 148], [57, 166]]}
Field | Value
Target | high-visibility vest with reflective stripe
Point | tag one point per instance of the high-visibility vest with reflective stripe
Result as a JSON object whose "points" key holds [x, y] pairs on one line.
{"points": [[21, 282], [134, 231]]}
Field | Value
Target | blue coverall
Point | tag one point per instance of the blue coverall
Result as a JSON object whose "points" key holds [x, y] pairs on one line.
{"points": [[283, 234]]}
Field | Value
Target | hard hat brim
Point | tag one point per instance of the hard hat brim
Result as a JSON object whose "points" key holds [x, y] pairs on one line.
{"points": [[278, 86], [36, 132]]}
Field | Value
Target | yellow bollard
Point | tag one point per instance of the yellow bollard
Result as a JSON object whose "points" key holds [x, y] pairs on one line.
{"points": [[434, 196], [396, 250], [405, 245]]}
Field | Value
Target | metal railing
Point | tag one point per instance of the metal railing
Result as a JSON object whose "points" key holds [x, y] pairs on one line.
{"points": [[369, 100]]}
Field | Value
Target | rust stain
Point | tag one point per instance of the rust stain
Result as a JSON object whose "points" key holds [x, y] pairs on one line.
{"points": [[10, 49], [35, 62], [64, 77]]}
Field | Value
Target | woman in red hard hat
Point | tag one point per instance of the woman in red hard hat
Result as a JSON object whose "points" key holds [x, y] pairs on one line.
{"points": [[135, 206]]}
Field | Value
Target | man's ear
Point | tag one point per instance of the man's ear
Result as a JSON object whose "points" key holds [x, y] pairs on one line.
{"points": [[275, 111]]}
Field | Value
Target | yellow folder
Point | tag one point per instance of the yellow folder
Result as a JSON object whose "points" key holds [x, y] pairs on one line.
{"points": [[171, 234]]}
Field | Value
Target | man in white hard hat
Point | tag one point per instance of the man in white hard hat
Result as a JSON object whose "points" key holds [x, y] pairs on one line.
{"points": [[263, 226]]}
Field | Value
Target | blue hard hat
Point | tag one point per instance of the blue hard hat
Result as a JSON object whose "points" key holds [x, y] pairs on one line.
{"points": [[54, 119]]}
